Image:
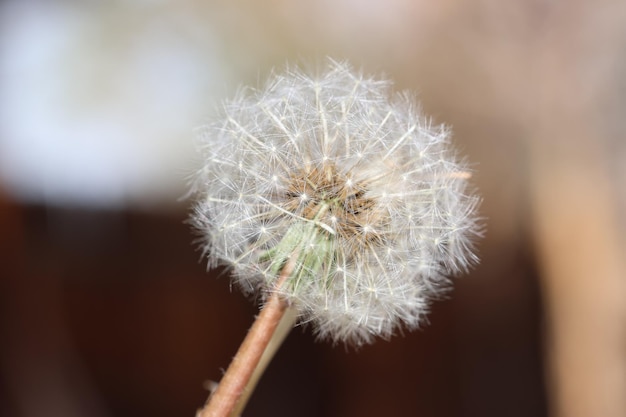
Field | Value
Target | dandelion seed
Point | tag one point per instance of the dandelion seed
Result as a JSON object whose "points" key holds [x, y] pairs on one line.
{"points": [[354, 183]]}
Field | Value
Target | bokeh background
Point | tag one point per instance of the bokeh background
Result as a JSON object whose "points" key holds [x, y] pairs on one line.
{"points": [[106, 308]]}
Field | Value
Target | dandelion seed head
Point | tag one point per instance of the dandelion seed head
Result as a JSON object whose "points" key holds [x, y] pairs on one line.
{"points": [[351, 180]]}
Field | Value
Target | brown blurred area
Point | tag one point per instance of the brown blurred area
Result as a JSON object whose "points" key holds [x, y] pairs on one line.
{"points": [[110, 312]]}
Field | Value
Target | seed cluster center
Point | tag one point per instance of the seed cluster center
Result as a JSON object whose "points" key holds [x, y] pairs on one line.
{"points": [[323, 194]]}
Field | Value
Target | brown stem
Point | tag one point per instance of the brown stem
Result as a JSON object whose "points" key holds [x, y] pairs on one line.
{"points": [[282, 330], [224, 400]]}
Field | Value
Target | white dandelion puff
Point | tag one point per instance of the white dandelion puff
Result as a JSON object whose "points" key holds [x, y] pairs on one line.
{"points": [[350, 183]]}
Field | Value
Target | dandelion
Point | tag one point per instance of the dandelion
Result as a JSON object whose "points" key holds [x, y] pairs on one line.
{"points": [[346, 186]]}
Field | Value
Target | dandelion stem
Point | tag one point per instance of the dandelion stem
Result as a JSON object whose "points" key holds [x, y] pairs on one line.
{"points": [[284, 327], [253, 355]]}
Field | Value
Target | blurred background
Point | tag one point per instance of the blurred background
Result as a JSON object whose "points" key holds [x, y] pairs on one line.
{"points": [[106, 308]]}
